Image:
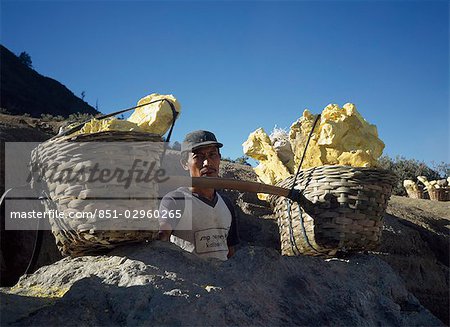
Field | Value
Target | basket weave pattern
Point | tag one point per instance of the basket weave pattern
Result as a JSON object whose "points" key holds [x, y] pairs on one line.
{"points": [[344, 213], [441, 194], [76, 237], [413, 194]]}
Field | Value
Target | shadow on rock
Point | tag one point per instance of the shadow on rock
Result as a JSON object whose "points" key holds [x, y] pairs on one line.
{"points": [[420, 257], [159, 284]]}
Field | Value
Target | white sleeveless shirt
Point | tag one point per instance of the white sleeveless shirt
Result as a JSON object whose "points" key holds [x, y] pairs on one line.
{"points": [[203, 227]]}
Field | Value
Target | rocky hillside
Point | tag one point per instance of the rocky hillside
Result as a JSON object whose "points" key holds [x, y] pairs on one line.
{"points": [[404, 283], [26, 129], [23, 90]]}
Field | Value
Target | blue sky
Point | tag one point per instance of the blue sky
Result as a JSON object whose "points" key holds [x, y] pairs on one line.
{"points": [[236, 66]]}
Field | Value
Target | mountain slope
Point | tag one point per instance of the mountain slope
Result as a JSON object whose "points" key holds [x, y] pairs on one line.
{"points": [[23, 90]]}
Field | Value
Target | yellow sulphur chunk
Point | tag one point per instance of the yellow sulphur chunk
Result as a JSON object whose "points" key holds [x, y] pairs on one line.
{"points": [[112, 124], [341, 137], [410, 185], [270, 169], [157, 117]]}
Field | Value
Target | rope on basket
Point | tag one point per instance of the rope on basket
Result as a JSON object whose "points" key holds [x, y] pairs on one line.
{"points": [[80, 126], [175, 114], [36, 246], [291, 234], [38, 239], [304, 152], [302, 225]]}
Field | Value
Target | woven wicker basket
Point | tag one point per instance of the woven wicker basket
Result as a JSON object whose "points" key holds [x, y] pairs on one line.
{"points": [[441, 194], [415, 194], [93, 235], [344, 213]]}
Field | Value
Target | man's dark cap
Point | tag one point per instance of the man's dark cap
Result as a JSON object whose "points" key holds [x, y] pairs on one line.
{"points": [[197, 139]]}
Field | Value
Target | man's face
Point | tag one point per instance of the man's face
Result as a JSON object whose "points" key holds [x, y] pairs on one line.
{"points": [[203, 162]]}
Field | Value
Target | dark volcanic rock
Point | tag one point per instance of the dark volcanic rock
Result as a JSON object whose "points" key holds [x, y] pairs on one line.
{"points": [[415, 243], [159, 284], [415, 240], [17, 245]]}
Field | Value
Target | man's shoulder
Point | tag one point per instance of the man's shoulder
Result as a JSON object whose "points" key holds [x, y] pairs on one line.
{"points": [[228, 202], [177, 194], [174, 200]]}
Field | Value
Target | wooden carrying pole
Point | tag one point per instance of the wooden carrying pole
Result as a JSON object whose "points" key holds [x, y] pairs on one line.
{"points": [[225, 183], [234, 184]]}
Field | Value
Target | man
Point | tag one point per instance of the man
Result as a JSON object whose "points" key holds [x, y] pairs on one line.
{"points": [[213, 232]]}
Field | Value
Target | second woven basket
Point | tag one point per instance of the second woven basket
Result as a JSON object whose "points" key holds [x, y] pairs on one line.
{"points": [[344, 213]]}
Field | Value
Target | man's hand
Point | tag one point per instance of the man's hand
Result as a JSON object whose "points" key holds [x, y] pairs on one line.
{"points": [[230, 251], [165, 230]]}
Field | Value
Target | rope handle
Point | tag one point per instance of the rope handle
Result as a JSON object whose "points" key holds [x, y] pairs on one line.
{"points": [[172, 107], [79, 126], [303, 156], [292, 240], [291, 195], [166, 144]]}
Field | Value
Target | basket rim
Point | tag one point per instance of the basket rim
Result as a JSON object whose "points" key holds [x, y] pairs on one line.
{"points": [[74, 138], [347, 167], [101, 137], [389, 176]]}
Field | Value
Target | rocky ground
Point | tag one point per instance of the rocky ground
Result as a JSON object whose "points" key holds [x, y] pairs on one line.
{"points": [[26, 129], [404, 283], [415, 239], [16, 246], [159, 284], [415, 243]]}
